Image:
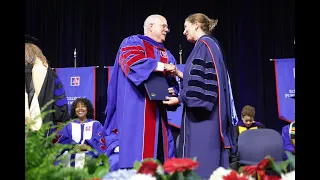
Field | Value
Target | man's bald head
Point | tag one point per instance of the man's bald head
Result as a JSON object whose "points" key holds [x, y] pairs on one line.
{"points": [[155, 26], [151, 20]]}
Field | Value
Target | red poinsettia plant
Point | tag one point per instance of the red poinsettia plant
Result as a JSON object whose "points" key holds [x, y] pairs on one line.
{"points": [[260, 170], [148, 167], [266, 169], [172, 169], [279, 170], [183, 168]]}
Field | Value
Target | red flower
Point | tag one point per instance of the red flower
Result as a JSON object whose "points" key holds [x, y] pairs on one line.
{"points": [[267, 177], [263, 164], [148, 167], [249, 170], [179, 165], [243, 178], [260, 169], [231, 176], [235, 176], [95, 178]]}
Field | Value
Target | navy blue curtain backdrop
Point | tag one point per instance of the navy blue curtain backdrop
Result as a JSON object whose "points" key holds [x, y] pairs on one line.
{"points": [[250, 32]]}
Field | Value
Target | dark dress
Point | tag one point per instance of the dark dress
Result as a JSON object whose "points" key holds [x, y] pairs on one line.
{"points": [[206, 129]]}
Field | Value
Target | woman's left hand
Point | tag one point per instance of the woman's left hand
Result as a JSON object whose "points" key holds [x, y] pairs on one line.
{"points": [[171, 91]]}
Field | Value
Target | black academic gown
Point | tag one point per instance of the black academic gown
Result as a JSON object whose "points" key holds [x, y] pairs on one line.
{"points": [[52, 88]]}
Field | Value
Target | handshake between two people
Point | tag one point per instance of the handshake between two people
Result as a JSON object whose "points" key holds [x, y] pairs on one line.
{"points": [[172, 70]]}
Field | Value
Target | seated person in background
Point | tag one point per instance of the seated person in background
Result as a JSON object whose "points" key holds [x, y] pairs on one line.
{"points": [[247, 115], [288, 137], [83, 132]]}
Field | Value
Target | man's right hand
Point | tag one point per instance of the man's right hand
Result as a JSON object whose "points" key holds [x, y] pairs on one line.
{"points": [[173, 70], [170, 68]]}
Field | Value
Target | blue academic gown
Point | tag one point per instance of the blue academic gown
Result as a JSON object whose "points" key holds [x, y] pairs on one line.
{"points": [[206, 130], [132, 119], [287, 143], [89, 133], [53, 89]]}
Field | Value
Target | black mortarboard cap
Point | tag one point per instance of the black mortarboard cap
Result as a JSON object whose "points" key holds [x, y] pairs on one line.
{"points": [[293, 97], [157, 86], [29, 39]]}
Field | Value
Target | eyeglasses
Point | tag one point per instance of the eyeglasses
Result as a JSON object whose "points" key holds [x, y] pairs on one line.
{"points": [[164, 26]]}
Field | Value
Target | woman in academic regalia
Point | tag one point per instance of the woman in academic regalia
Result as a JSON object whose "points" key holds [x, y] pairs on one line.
{"points": [[206, 129], [41, 86]]}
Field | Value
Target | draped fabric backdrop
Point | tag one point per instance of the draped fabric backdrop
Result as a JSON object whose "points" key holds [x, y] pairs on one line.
{"points": [[250, 32]]}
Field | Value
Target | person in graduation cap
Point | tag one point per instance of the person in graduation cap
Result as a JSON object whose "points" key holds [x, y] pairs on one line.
{"points": [[206, 129], [136, 127], [41, 86]]}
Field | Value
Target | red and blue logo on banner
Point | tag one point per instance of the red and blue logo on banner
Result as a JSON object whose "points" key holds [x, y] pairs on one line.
{"points": [[75, 81], [285, 84], [71, 78]]}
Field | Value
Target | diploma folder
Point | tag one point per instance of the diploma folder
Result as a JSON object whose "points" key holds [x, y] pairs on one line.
{"points": [[157, 86]]}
